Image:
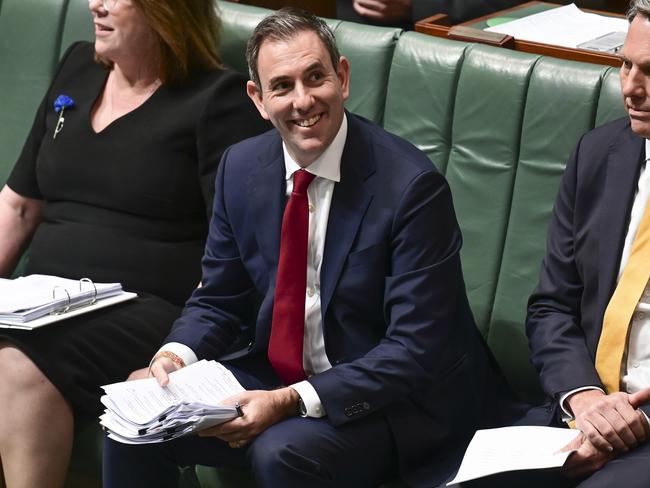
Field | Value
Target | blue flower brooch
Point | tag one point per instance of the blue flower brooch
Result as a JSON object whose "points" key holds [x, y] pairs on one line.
{"points": [[60, 104]]}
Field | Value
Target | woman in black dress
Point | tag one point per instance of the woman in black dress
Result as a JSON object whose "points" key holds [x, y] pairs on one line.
{"points": [[120, 192]]}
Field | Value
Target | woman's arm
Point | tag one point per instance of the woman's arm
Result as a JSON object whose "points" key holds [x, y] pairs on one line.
{"points": [[19, 217]]}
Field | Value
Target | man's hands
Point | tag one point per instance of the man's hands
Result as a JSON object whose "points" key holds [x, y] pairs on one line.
{"points": [[261, 410], [611, 422], [610, 425], [586, 459], [384, 10]]}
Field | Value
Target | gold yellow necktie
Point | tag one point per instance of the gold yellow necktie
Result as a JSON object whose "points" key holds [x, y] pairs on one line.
{"points": [[618, 315]]}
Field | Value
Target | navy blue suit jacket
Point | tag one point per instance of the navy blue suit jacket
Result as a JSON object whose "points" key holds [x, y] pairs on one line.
{"points": [[585, 243], [397, 326]]}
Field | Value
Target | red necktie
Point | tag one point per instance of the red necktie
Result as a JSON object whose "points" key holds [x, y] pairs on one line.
{"points": [[288, 327]]}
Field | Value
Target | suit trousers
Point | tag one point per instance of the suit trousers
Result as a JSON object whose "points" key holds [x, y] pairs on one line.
{"points": [[294, 452]]}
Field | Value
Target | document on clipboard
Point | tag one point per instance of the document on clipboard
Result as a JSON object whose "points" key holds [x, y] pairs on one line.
{"points": [[33, 301]]}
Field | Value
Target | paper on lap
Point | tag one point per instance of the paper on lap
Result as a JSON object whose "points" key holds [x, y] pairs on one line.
{"points": [[494, 451]]}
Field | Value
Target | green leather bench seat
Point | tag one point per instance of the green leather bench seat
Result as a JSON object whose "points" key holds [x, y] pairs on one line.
{"points": [[498, 123]]}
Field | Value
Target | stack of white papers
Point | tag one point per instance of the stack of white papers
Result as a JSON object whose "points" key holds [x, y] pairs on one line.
{"points": [[29, 298], [141, 411], [566, 26], [514, 448]]}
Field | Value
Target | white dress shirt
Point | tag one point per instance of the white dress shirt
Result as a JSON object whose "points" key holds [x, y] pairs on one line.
{"points": [[327, 168], [635, 369]]}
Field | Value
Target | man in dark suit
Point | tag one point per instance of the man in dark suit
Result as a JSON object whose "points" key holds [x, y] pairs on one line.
{"points": [[386, 372], [592, 357]]}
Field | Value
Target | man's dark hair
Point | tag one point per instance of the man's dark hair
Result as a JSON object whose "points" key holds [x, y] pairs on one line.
{"points": [[637, 7], [282, 26]]}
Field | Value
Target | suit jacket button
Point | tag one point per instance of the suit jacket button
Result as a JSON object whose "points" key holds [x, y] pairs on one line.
{"points": [[366, 406]]}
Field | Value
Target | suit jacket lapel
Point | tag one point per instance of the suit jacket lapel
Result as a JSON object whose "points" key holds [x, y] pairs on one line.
{"points": [[267, 196], [623, 165], [349, 204]]}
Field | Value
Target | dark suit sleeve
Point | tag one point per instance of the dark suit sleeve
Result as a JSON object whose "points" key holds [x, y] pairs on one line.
{"points": [[558, 345], [421, 296]]}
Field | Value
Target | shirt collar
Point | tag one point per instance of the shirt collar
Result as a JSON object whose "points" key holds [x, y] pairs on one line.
{"points": [[328, 164]]}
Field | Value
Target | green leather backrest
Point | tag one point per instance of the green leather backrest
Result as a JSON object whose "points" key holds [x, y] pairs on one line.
{"points": [[483, 161], [369, 49], [610, 104], [561, 105], [237, 22], [422, 91], [78, 24], [500, 125]]}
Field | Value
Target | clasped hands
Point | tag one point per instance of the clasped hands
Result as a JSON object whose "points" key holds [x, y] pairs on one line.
{"points": [[610, 425], [261, 408]]}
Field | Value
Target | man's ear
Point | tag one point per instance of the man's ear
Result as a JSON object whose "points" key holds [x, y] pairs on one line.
{"points": [[343, 74], [255, 94]]}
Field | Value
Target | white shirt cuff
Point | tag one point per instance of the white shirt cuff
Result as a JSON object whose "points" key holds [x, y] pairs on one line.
{"points": [[310, 399], [181, 350], [568, 415]]}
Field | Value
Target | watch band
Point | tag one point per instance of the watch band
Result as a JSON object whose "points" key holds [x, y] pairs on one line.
{"points": [[302, 409]]}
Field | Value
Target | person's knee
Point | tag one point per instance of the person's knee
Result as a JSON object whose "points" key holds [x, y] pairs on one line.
{"points": [[631, 470], [21, 375], [275, 456]]}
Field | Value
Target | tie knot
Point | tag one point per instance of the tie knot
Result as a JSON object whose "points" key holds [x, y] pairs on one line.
{"points": [[301, 180]]}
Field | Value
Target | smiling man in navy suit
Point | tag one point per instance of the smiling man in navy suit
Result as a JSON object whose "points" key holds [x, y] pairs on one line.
{"points": [[332, 288]]}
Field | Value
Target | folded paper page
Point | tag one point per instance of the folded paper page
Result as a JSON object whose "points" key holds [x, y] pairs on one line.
{"points": [[514, 448]]}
